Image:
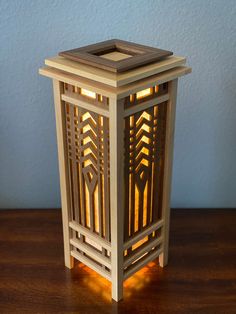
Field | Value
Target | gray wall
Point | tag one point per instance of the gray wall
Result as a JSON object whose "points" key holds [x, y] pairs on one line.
{"points": [[205, 143]]}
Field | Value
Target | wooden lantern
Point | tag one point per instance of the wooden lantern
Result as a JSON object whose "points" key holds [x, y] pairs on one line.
{"points": [[115, 112]]}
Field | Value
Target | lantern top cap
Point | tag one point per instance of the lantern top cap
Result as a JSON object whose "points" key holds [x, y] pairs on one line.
{"points": [[116, 55]]}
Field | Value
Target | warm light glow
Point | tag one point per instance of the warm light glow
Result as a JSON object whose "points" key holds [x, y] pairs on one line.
{"points": [[145, 196], [139, 280], [88, 93], [102, 287], [136, 211], [144, 93], [87, 210], [144, 115], [139, 243], [95, 282], [131, 98], [96, 222]]}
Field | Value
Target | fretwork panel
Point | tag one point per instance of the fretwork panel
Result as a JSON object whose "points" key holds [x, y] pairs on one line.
{"points": [[144, 166], [87, 135]]}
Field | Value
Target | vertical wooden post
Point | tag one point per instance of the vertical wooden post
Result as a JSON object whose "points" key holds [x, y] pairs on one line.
{"points": [[62, 159], [169, 145], [116, 129]]}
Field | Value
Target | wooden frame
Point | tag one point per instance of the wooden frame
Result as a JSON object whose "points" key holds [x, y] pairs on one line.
{"points": [[116, 55], [101, 140]]}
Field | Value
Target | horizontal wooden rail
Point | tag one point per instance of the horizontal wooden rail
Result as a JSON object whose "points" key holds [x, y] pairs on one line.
{"points": [[72, 99], [84, 231], [91, 252], [145, 260], [146, 104], [139, 252], [83, 259], [143, 234]]}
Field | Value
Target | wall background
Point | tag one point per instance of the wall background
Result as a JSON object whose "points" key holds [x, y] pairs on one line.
{"points": [[205, 144]]}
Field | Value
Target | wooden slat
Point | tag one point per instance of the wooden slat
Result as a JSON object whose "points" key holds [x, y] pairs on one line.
{"points": [[91, 252], [69, 161], [75, 226], [106, 178], [127, 209], [74, 171], [132, 185], [81, 177], [143, 234], [145, 260], [63, 169], [80, 103], [169, 148], [146, 105], [91, 264], [142, 250], [100, 190], [116, 130], [150, 172], [158, 170]]}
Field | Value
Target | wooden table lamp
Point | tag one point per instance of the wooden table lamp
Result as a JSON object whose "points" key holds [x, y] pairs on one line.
{"points": [[115, 113]]}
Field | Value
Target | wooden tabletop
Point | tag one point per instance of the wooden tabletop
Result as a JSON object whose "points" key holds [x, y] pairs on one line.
{"points": [[200, 277]]}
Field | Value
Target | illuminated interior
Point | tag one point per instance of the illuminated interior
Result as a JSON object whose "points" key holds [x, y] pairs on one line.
{"points": [[144, 93], [87, 129], [102, 287], [88, 93], [90, 141], [144, 164]]}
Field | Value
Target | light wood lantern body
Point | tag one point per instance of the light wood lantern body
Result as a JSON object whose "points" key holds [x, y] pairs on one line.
{"points": [[115, 146]]}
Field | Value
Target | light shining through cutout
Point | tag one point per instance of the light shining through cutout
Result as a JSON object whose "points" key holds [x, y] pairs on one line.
{"points": [[144, 93], [88, 93]]}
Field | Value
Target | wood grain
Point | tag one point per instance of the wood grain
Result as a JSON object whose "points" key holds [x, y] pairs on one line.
{"points": [[138, 55], [110, 78], [200, 276]]}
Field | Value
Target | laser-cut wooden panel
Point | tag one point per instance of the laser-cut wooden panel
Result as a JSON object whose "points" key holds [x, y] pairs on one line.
{"points": [[144, 166], [87, 136]]}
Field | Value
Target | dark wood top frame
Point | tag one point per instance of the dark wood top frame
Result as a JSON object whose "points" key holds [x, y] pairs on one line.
{"points": [[133, 55]]}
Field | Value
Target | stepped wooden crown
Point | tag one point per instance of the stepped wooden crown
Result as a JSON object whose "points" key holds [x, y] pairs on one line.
{"points": [[116, 55]]}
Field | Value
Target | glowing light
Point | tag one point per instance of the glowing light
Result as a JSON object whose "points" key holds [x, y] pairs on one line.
{"points": [[144, 93], [131, 98], [102, 287], [139, 280], [139, 243], [88, 93]]}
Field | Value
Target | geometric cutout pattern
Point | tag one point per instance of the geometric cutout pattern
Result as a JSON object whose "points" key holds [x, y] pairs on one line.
{"points": [[144, 166], [87, 137]]}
